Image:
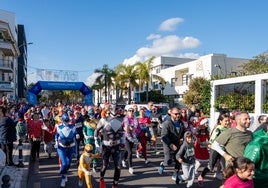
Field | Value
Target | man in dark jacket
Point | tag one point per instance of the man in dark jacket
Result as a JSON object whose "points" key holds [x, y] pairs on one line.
{"points": [[7, 135], [172, 136]]}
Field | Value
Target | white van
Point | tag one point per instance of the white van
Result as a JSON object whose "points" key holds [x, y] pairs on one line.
{"points": [[161, 108]]}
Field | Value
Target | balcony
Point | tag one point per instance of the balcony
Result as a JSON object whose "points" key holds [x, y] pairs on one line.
{"points": [[6, 66], [6, 86], [7, 48]]}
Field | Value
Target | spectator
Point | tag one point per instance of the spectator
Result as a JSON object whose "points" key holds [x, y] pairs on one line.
{"points": [[21, 129], [7, 135]]}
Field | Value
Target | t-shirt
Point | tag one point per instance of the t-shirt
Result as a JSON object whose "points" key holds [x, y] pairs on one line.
{"points": [[235, 182], [234, 141]]}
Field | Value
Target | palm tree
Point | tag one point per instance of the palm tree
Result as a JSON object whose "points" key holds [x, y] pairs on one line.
{"points": [[126, 77], [98, 86], [107, 75], [145, 76]]}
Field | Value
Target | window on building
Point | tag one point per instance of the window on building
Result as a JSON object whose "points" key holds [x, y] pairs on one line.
{"points": [[186, 78]]}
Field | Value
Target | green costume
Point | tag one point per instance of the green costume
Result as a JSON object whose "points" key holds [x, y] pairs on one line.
{"points": [[257, 151]]}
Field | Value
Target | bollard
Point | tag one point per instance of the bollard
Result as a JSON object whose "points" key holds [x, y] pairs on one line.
{"points": [[20, 147], [5, 179]]}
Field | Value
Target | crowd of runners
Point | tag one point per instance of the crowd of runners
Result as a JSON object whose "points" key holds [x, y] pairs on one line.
{"points": [[232, 150]]}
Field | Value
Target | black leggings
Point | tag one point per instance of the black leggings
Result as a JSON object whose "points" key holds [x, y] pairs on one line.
{"points": [[113, 151], [128, 152], [35, 149]]}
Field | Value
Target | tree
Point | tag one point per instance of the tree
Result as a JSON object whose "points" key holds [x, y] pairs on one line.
{"points": [[199, 94], [126, 78], [144, 69], [107, 75], [98, 86], [257, 65]]}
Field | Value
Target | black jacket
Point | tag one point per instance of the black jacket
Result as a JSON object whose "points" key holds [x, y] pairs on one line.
{"points": [[7, 130], [170, 134]]}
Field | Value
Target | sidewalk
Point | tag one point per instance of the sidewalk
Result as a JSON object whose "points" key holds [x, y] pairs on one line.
{"points": [[18, 176]]}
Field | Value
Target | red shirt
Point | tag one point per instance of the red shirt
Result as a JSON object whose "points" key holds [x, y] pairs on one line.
{"points": [[48, 135], [34, 129]]}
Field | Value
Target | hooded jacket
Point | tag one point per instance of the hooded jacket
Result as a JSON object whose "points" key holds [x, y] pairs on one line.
{"points": [[186, 151], [257, 151]]}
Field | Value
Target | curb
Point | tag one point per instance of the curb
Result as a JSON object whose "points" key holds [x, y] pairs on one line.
{"points": [[18, 175]]}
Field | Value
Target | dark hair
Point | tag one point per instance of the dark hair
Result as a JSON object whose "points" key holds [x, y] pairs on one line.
{"points": [[261, 117], [221, 117], [240, 163]]}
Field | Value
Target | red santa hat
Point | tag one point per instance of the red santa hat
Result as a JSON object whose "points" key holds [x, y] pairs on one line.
{"points": [[202, 121]]}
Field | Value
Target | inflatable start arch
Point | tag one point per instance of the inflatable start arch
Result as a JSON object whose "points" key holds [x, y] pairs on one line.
{"points": [[49, 85]]}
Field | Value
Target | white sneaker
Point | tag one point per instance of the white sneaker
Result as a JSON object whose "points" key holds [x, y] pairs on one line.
{"points": [[124, 164], [131, 170], [62, 183], [174, 176], [80, 183], [147, 161], [137, 154], [218, 176]]}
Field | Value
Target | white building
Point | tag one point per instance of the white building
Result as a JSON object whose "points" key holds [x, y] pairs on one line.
{"points": [[178, 72], [8, 54]]}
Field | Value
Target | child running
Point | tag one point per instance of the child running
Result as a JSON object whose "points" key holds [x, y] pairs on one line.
{"points": [[240, 174], [186, 157], [84, 169]]}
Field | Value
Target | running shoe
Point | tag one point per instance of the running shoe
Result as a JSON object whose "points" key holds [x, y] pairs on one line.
{"points": [[124, 164], [161, 168], [131, 170], [200, 180], [174, 176], [80, 183]]}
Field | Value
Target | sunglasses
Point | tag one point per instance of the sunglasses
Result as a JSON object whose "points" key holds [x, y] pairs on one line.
{"points": [[131, 110], [177, 114]]}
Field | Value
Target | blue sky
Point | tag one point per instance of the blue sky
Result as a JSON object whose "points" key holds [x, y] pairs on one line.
{"points": [[83, 35]]}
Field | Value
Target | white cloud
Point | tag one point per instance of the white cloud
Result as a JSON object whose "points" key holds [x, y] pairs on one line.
{"points": [[153, 36], [170, 24], [91, 79], [168, 45]]}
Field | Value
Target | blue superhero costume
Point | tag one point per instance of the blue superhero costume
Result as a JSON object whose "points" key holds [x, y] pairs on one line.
{"points": [[65, 143]]}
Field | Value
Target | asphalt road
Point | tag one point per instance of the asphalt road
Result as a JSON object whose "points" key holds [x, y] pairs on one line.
{"points": [[45, 174]]}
